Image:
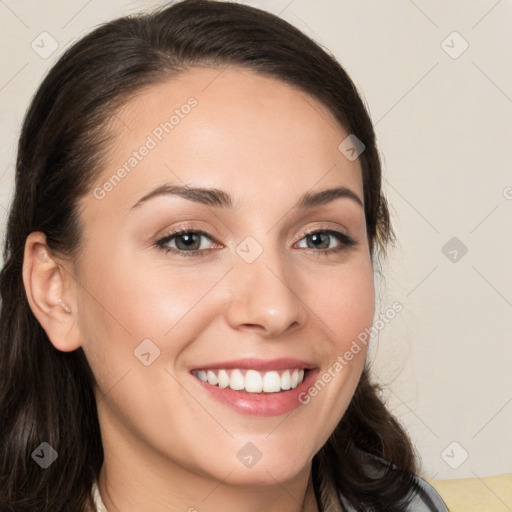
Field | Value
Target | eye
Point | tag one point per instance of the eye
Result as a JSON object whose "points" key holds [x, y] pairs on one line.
{"points": [[326, 241], [193, 242], [186, 242]]}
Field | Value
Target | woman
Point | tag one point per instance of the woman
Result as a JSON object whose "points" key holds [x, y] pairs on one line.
{"points": [[188, 274]]}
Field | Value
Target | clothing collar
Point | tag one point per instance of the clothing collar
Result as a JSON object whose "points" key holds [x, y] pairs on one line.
{"points": [[98, 502]]}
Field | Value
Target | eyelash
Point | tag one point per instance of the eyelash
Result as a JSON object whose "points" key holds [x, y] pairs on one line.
{"points": [[346, 242]]}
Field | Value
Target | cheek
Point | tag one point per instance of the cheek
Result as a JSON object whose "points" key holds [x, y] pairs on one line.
{"points": [[345, 301], [344, 304], [129, 300], [144, 298]]}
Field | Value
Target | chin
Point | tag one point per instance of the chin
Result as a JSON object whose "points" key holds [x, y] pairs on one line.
{"points": [[276, 466]]}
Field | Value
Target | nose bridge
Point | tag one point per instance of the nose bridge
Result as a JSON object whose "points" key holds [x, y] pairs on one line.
{"points": [[265, 289]]}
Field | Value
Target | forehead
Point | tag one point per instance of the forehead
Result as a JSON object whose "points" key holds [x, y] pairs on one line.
{"points": [[229, 128]]}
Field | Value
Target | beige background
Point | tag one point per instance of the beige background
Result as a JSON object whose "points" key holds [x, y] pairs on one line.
{"points": [[443, 118]]}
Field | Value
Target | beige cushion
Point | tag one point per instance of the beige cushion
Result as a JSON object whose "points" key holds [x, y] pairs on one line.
{"points": [[485, 494]]}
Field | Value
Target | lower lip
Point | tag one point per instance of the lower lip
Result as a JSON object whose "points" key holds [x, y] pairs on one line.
{"points": [[264, 404]]}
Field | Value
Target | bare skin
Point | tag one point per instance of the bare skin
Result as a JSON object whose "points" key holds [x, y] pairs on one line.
{"points": [[169, 446]]}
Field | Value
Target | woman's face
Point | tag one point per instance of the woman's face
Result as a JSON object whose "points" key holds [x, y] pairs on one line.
{"points": [[263, 284]]}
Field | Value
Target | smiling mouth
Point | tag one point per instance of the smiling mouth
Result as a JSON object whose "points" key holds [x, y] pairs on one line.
{"points": [[253, 381]]}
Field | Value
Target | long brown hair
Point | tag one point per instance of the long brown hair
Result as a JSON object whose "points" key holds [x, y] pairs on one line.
{"points": [[47, 395]]}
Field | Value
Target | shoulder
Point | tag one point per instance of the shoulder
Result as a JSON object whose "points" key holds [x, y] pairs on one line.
{"points": [[422, 498], [420, 495], [426, 498]]}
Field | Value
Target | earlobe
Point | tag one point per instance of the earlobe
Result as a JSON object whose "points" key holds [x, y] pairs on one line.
{"points": [[50, 293]]}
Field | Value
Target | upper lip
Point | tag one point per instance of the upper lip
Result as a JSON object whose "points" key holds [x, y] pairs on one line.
{"points": [[283, 363]]}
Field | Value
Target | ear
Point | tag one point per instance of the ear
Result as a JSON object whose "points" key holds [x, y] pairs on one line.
{"points": [[50, 290]]}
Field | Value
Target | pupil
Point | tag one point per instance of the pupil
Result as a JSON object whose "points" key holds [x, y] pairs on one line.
{"points": [[187, 241], [318, 242]]}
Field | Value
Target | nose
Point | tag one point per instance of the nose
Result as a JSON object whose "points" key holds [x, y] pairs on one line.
{"points": [[265, 297]]}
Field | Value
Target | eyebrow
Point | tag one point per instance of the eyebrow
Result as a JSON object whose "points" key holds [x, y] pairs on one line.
{"points": [[220, 199]]}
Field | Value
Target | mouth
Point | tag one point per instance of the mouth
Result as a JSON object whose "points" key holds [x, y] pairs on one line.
{"points": [[251, 380], [257, 387]]}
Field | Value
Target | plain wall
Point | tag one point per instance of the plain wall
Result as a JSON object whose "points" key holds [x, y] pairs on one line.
{"points": [[443, 119]]}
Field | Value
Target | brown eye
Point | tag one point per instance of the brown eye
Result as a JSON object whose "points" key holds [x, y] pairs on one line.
{"points": [[186, 242]]}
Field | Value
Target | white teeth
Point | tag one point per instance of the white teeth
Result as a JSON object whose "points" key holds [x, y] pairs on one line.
{"points": [[212, 378], [236, 381], [223, 379], [286, 382], [295, 378], [253, 381], [202, 375], [271, 382]]}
